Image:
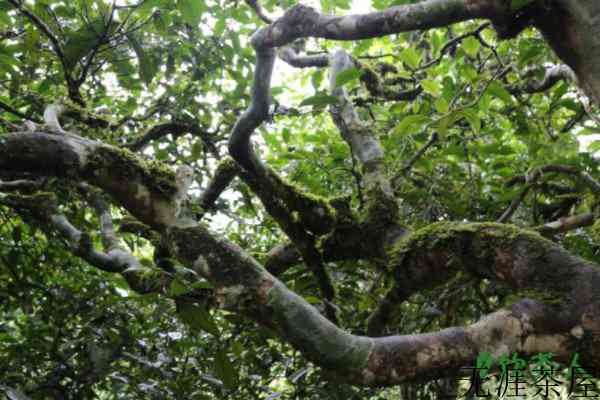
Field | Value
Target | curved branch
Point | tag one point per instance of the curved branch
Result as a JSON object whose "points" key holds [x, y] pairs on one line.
{"points": [[116, 260], [290, 56], [566, 224], [174, 128], [301, 21], [381, 214], [255, 5], [147, 189], [56, 46], [552, 76], [583, 176], [226, 171], [567, 285], [528, 326]]}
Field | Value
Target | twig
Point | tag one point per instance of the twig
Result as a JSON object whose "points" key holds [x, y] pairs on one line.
{"points": [[259, 11], [13, 111], [432, 140], [453, 42], [508, 213]]}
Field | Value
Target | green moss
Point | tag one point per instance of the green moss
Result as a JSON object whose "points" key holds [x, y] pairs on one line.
{"points": [[595, 232], [112, 161], [370, 78], [227, 164], [314, 211], [452, 234], [380, 208], [547, 297], [40, 204]]}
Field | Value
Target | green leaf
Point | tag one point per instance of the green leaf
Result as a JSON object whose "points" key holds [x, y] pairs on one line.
{"points": [[471, 116], [285, 134], [594, 146], [81, 42], [177, 288], [348, 75], [410, 124], [410, 57], [147, 64], [497, 90], [518, 4], [197, 318], [471, 46], [319, 100], [431, 87], [191, 10], [224, 369], [441, 105]]}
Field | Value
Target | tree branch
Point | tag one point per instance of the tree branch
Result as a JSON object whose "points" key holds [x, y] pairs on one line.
{"points": [[41, 25], [176, 129], [583, 176], [301, 21], [14, 111], [566, 224], [255, 5], [226, 171], [428, 257]]}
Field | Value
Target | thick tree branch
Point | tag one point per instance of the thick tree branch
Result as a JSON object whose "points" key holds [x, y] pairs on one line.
{"points": [[428, 257], [301, 21], [147, 189], [527, 327], [381, 211]]}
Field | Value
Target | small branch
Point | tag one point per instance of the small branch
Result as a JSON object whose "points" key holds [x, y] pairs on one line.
{"points": [[116, 260], [176, 129], [101, 40], [564, 169], [432, 140], [552, 76], [24, 185], [508, 213], [291, 56], [573, 121], [566, 224], [226, 171], [110, 241], [259, 11], [56, 47], [13, 111], [453, 42], [41, 26]]}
